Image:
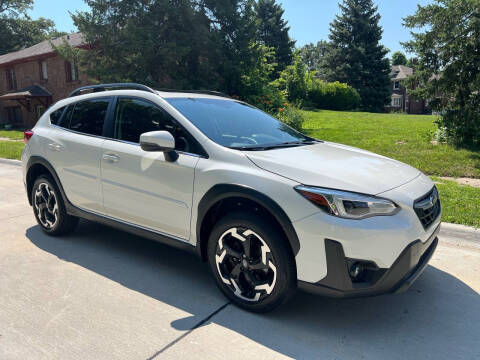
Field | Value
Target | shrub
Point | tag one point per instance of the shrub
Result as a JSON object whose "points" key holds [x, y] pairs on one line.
{"points": [[332, 96], [293, 81], [462, 125], [292, 117], [440, 135], [270, 101], [255, 86], [303, 89]]}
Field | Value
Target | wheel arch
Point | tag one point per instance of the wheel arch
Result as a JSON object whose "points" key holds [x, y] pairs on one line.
{"points": [[218, 194], [37, 166]]}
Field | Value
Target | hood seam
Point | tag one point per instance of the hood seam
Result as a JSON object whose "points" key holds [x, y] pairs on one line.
{"points": [[409, 181]]}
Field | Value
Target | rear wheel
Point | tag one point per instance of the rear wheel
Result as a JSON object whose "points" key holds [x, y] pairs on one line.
{"points": [[251, 262], [49, 208]]}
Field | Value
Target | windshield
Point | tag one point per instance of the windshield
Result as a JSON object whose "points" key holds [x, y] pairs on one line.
{"points": [[237, 125]]}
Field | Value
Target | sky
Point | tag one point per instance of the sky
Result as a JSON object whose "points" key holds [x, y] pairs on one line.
{"points": [[309, 20]]}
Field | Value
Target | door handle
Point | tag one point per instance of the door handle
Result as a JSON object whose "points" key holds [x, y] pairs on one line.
{"points": [[55, 147], [111, 157]]}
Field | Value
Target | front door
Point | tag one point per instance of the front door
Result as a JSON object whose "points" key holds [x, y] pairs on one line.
{"points": [[143, 188]]}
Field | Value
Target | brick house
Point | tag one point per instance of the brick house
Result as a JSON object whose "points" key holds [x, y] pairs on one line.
{"points": [[34, 78], [400, 100]]}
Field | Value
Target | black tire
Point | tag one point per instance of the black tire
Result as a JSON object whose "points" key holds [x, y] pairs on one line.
{"points": [[49, 208], [278, 266]]}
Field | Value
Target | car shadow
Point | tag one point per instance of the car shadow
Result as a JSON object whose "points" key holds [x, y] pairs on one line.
{"points": [[439, 317]]}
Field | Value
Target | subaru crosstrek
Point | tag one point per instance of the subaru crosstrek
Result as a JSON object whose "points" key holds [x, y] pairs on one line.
{"points": [[269, 208]]}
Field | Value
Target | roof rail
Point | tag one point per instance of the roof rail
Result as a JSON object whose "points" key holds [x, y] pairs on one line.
{"points": [[206, 92], [105, 87]]}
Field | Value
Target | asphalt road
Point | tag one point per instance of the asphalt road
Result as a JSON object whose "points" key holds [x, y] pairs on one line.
{"points": [[103, 294]]}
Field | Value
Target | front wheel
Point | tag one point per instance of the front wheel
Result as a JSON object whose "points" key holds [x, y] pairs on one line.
{"points": [[251, 262]]}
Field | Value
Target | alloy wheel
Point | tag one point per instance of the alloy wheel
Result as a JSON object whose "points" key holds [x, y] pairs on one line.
{"points": [[246, 264], [46, 206]]}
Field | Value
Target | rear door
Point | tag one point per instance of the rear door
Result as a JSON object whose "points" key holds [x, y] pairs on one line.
{"points": [[75, 150], [143, 188]]}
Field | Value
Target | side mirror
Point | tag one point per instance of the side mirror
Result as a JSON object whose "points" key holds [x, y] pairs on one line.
{"points": [[159, 141]]}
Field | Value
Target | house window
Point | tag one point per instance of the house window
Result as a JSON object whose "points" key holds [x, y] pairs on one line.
{"points": [[43, 70], [396, 85], [11, 79], [14, 115], [71, 70], [397, 101]]}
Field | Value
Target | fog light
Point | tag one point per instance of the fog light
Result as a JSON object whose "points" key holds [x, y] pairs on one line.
{"points": [[356, 272]]}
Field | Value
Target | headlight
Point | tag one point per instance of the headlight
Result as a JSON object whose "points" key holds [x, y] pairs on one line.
{"points": [[347, 204]]}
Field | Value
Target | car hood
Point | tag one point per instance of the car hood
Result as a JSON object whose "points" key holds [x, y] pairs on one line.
{"points": [[335, 166]]}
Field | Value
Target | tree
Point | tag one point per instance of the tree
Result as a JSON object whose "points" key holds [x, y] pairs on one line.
{"points": [[412, 62], [357, 57], [314, 57], [181, 44], [399, 58], [15, 8], [164, 43], [273, 32], [233, 41], [447, 44], [19, 33], [17, 30]]}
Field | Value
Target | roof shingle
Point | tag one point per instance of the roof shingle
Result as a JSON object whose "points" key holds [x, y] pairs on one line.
{"points": [[30, 91], [39, 49], [400, 72]]}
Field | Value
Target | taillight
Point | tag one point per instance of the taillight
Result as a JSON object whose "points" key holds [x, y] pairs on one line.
{"points": [[27, 135]]}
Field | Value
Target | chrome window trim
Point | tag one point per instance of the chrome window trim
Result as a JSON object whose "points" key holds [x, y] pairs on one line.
{"points": [[118, 140]]}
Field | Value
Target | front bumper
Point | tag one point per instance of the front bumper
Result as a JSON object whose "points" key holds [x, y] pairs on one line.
{"points": [[398, 278]]}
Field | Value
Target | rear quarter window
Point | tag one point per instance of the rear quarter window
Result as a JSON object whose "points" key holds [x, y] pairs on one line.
{"points": [[56, 116], [67, 115]]}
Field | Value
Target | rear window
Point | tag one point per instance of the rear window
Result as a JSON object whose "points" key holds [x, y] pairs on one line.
{"points": [[88, 116]]}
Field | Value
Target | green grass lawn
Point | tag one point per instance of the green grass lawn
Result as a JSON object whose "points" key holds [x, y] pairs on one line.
{"points": [[399, 136], [11, 149], [11, 134], [461, 203]]}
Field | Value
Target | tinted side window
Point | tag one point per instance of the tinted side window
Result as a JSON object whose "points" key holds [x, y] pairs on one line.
{"points": [[88, 116], [134, 117], [56, 115], [67, 115]]}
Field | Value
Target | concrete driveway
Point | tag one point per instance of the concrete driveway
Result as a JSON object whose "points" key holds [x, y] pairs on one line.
{"points": [[103, 294]]}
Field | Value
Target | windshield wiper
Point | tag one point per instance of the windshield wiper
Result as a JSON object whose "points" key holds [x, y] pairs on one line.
{"points": [[275, 146]]}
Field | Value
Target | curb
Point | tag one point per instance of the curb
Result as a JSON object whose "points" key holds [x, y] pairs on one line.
{"points": [[10, 162], [457, 234], [450, 227]]}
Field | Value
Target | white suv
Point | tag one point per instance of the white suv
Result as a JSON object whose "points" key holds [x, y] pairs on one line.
{"points": [[269, 208]]}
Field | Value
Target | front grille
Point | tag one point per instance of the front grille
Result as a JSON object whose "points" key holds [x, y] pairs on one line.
{"points": [[428, 207]]}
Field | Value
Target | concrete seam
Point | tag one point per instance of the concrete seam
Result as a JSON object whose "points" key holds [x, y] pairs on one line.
{"points": [[200, 323]]}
